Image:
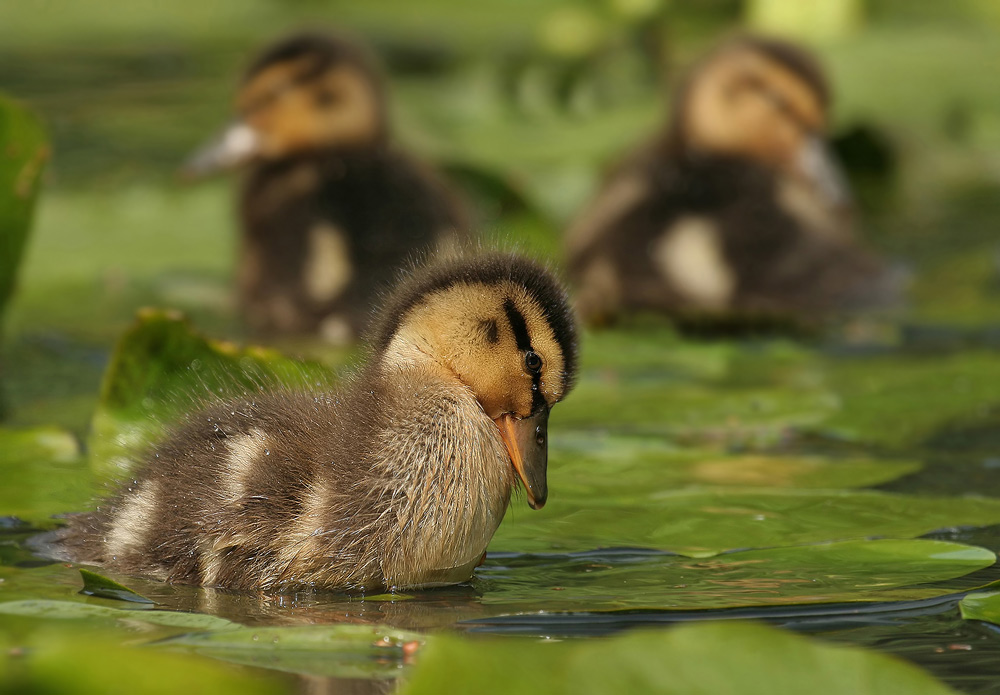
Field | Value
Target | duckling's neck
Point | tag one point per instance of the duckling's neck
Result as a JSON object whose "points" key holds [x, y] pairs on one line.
{"points": [[412, 350], [461, 489]]}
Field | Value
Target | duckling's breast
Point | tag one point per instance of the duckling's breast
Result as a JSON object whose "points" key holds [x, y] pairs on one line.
{"points": [[459, 481]]}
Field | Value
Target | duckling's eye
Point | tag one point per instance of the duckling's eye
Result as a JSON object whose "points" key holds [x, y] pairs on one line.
{"points": [[532, 362]]}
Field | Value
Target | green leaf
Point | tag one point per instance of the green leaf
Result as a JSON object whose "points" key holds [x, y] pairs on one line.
{"points": [[583, 462], [98, 585], [24, 151], [69, 658], [730, 658], [851, 571], [162, 369], [981, 606], [74, 610], [43, 474], [343, 651], [701, 523], [899, 401]]}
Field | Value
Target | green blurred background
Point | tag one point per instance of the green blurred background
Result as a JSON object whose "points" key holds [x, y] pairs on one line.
{"points": [[523, 102]]}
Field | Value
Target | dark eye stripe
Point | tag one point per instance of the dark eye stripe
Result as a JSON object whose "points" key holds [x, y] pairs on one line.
{"points": [[517, 324], [523, 340]]}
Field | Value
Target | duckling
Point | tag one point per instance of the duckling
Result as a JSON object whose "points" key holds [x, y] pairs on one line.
{"points": [[331, 210], [396, 480], [736, 209]]}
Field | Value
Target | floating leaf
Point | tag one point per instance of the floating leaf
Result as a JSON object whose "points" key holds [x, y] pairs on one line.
{"points": [[162, 369], [898, 401], [701, 523], [981, 606], [608, 464], [699, 659], [851, 571], [98, 585], [74, 610], [344, 651]]}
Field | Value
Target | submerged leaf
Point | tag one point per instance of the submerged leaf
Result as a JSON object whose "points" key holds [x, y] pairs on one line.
{"points": [[851, 571], [98, 585], [344, 651], [703, 659]]}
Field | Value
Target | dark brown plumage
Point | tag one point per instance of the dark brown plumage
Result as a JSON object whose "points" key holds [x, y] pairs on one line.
{"points": [[734, 210], [330, 208], [397, 479]]}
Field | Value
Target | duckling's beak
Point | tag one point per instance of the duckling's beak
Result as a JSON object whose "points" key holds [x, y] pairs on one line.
{"points": [[816, 165], [234, 146], [527, 443]]}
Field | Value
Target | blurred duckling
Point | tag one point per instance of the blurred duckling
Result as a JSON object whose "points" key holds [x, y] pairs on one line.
{"points": [[736, 209], [399, 479], [330, 209]]}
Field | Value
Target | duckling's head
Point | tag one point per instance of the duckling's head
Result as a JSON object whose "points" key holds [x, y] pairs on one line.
{"points": [[308, 92], [503, 327], [762, 99]]}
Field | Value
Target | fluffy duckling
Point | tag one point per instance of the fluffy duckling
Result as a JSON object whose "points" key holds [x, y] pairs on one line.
{"points": [[399, 479], [330, 209], [735, 209]]}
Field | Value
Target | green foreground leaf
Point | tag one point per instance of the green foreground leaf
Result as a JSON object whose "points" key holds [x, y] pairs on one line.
{"points": [[84, 660], [707, 658]]}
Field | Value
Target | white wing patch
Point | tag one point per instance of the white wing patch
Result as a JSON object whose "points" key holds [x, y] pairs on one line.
{"points": [[245, 451], [328, 267], [690, 256], [133, 521]]}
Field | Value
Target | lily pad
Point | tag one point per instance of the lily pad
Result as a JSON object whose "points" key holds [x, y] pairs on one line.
{"points": [[43, 474], [898, 401], [702, 523], [981, 606], [24, 151], [74, 610], [343, 651], [162, 369], [603, 463], [693, 412], [95, 584], [851, 571], [708, 658]]}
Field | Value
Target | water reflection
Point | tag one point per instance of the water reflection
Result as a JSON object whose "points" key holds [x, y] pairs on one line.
{"points": [[583, 594]]}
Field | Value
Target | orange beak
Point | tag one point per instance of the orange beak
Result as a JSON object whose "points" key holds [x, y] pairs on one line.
{"points": [[527, 443]]}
